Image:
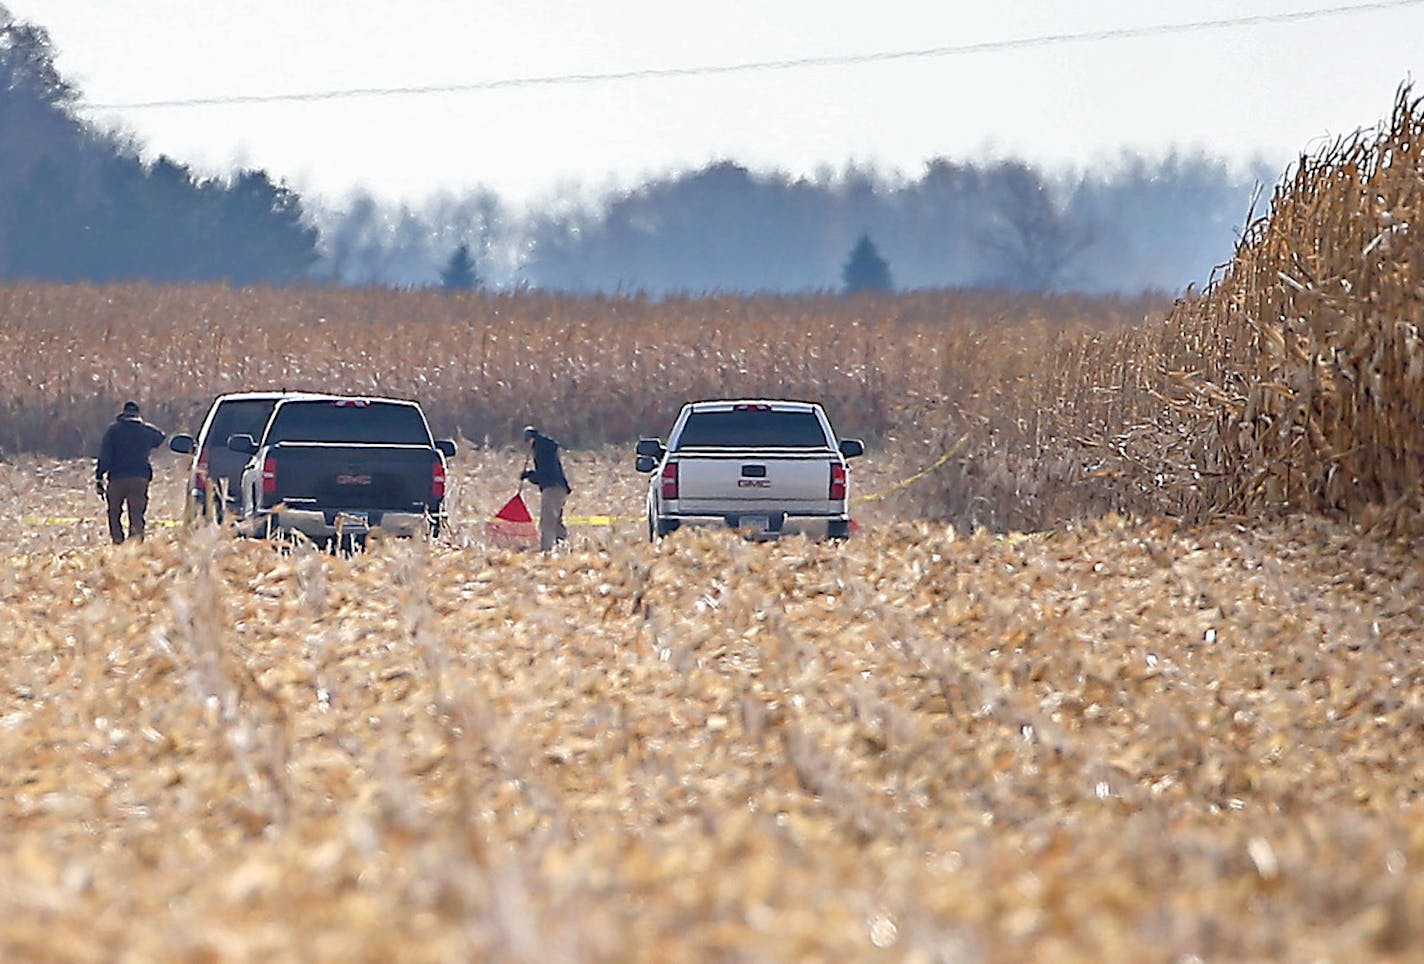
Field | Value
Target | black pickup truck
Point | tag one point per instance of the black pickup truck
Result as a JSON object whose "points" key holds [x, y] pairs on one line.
{"points": [[336, 467]]}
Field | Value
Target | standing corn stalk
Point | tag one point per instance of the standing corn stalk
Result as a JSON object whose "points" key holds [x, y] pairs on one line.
{"points": [[1316, 401]]}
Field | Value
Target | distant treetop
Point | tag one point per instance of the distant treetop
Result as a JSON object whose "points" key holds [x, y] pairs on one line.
{"points": [[459, 272], [866, 270]]}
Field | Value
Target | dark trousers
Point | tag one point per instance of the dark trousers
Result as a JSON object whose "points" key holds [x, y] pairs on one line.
{"points": [[134, 494]]}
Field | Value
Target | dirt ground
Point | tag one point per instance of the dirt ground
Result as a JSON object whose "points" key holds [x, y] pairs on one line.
{"points": [[1124, 740], [59, 510]]}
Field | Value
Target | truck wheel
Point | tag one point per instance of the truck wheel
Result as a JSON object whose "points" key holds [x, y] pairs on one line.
{"points": [[838, 529], [658, 528]]}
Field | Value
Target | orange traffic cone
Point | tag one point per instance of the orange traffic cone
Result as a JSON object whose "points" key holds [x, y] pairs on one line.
{"points": [[512, 526]]}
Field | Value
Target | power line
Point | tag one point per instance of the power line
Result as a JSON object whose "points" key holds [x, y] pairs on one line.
{"points": [[842, 60]]}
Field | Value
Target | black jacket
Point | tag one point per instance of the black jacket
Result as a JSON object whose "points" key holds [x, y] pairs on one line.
{"points": [[124, 451], [548, 471]]}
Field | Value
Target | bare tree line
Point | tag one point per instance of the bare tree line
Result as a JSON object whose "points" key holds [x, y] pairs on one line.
{"points": [[81, 204], [1134, 224]]}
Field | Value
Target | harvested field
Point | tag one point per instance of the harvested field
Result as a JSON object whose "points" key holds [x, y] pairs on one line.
{"points": [[1121, 741]]}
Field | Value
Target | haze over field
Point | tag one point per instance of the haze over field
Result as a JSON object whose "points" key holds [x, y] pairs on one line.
{"points": [[1240, 93], [1136, 141]]}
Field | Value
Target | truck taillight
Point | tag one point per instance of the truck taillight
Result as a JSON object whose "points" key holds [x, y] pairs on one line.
{"points": [[200, 474], [437, 479], [670, 480], [838, 481], [269, 476]]}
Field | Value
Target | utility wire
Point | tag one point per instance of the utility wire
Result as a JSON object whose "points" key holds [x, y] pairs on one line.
{"points": [[842, 60]]}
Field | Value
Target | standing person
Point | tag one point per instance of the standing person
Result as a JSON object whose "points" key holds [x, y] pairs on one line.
{"points": [[548, 475], [123, 459]]}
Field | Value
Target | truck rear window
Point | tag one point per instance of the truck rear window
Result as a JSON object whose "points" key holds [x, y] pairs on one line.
{"points": [[752, 429], [326, 421], [245, 416]]}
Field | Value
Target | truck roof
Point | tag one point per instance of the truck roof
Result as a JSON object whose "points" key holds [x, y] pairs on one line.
{"points": [[364, 399], [775, 404], [283, 396], [264, 396]]}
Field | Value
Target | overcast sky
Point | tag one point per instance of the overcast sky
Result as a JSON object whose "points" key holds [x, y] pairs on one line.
{"points": [[1267, 91]]}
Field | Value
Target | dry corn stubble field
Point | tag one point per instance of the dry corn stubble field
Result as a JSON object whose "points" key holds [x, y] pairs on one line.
{"points": [[1185, 732], [1118, 740]]}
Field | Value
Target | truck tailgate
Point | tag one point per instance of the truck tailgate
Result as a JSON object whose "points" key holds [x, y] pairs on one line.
{"points": [[341, 476], [772, 477]]}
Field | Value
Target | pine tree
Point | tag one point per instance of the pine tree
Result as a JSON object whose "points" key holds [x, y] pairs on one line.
{"points": [[866, 270], [459, 272]]}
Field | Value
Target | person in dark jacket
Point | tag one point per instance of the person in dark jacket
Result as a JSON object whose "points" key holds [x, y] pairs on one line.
{"points": [[123, 462], [554, 489]]}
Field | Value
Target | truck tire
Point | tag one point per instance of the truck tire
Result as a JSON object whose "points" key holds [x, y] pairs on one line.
{"points": [[658, 528], [838, 529]]}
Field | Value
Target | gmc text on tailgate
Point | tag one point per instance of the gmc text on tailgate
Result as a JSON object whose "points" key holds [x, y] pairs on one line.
{"points": [[768, 467], [329, 467]]}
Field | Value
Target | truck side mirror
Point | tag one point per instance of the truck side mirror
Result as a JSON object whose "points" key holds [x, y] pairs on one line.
{"points": [[852, 448], [242, 444], [651, 447], [446, 447], [645, 463], [182, 444]]}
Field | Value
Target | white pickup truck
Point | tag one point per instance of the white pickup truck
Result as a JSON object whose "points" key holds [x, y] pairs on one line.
{"points": [[768, 467]]}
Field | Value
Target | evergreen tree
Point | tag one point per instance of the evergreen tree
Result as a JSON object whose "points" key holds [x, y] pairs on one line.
{"points": [[261, 233], [79, 203], [459, 272], [866, 270]]}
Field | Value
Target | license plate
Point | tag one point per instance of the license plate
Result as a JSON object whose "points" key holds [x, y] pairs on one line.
{"points": [[756, 523], [352, 520]]}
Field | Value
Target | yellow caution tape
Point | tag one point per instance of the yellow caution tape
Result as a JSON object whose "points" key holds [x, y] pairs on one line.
{"points": [[66, 520], [599, 520], [604, 520], [906, 483], [577, 520]]}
